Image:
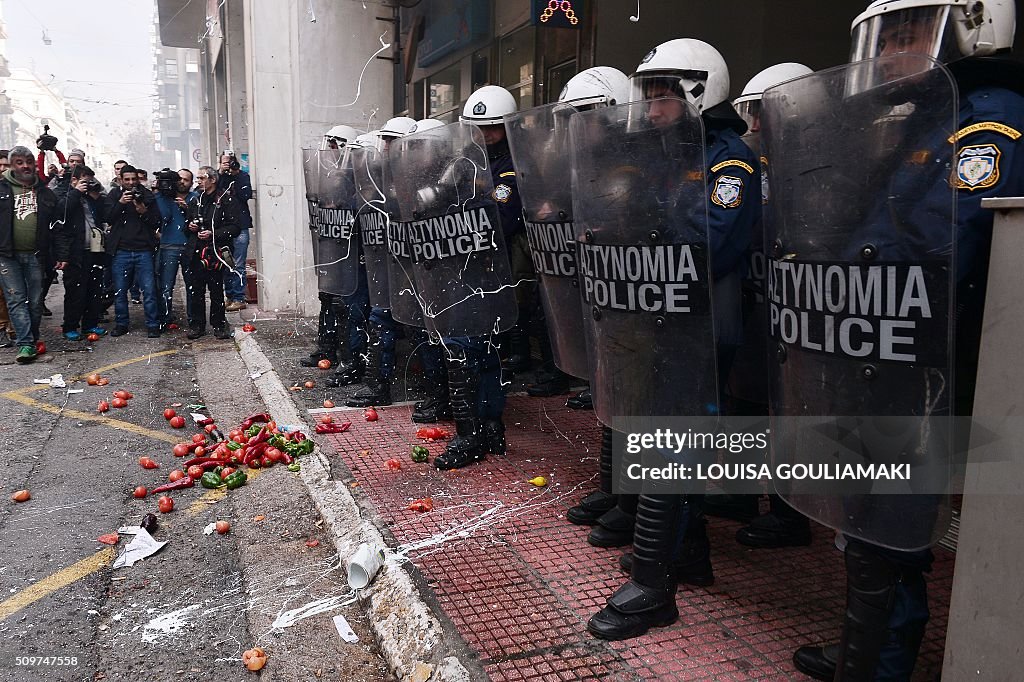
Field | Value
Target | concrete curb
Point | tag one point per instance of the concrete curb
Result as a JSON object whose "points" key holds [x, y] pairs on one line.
{"points": [[410, 636]]}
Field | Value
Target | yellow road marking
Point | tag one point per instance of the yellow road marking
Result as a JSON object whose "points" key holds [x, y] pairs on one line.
{"points": [[57, 581], [21, 396]]}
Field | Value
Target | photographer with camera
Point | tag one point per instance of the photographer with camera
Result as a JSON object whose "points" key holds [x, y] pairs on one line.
{"points": [[173, 190], [134, 220], [82, 222], [214, 223], [237, 182]]}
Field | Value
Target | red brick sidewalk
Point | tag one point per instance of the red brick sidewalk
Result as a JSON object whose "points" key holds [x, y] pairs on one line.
{"points": [[519, 582]]}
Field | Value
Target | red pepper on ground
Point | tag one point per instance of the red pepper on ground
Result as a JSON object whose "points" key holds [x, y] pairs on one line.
{"points": [[180, 484], [332, 428], [259, 417]]}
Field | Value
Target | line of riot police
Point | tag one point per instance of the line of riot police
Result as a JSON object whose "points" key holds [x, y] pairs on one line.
{"points": [[652, 263]]}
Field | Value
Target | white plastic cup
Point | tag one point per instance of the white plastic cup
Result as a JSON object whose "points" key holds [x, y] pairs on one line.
{"points": [[364, 565]]}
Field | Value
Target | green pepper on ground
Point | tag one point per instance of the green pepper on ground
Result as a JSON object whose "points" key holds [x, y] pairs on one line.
{"points": [[210, 480], [236, 480], [419, 453]]}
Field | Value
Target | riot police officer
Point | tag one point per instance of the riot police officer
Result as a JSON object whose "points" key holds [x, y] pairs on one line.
{"points": [[380, 358], [539, 141], [680, 93], [747, 388], [910, 221], [474, 368], [341, 322]]}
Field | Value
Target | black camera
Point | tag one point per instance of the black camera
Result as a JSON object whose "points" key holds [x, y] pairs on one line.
{"points": [[167, 182], [133, 193], [47, 142]]}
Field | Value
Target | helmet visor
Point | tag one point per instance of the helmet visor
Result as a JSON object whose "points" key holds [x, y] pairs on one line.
{"points": [[750, 111], [916, 30]]}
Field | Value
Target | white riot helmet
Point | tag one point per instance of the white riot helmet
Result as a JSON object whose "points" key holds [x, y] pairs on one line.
{"points": [[488, 106], [598, 85], [748, 104], [692, 70], [425, 124], [397, 127], [341, 134], [945, 30]]}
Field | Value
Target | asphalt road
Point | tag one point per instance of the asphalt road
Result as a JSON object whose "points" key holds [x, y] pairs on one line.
{"points": [[189, 611]]}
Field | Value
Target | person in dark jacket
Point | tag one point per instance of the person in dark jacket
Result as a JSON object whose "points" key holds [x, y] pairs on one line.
{"points": [[236, 181], [27, 209], [82, 222], [134, 220], [213, 225]]}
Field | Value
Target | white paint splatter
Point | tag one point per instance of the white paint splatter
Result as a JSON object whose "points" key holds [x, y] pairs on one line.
{"points": [[167, 624]]}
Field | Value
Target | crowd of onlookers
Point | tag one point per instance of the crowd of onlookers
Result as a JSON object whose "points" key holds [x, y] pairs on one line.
{"points": [[119, 244]]}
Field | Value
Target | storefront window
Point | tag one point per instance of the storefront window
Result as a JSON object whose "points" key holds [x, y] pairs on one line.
{"points": [[558, 76], [516, 59], [444, 93]]}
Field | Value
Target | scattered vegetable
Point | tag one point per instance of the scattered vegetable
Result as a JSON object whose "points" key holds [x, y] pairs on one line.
{"points": [[176, 475], [324, 364], [420, 454], [538, 481], [21, 496], [432, 433], [165, 505], [108, 539], [147, 463], [310, 384], [392, 464], [169, 414], [119, 403], [254, 659], [140, 492], [371, 415], [177, 422], [223, 527], [424, 505], [103, 406], [92, 379]]}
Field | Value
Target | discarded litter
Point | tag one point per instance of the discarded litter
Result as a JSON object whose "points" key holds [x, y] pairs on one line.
{"points": [[538, 481], [364, 565], [345, 630], [210, 528], [142, 545], [55, 381], [72, 391]]}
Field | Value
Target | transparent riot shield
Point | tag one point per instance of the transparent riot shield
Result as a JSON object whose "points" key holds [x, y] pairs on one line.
{"points": [[332, 221], [311, 173], [539, 141], [444, 186], [747, 383], [372, 221], [860, 293], [640, 209], [406, 306]]}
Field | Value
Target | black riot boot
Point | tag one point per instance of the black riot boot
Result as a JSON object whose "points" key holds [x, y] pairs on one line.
{"points": [[349, 366], [583, 400], [601, 501], [614, 528], [493, 437], [818, 662], [886, 613], [648, 599], [466, 448], [378, 388], [437, 405], [327, 330], [693, 565], [518, 359], [782, 526]]}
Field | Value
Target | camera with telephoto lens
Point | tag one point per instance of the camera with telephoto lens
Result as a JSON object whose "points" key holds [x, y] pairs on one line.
{"points": [[167, 182]]}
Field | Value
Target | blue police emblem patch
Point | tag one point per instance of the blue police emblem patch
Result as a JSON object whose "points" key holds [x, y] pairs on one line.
{"points": [[502, 193], [480, 109], [728, 192], [977, 167]]}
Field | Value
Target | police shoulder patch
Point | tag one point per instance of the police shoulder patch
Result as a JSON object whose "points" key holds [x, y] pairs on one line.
{"points": [[977, 167], [732, 162], [502, 193], [728, 191], [990, 126]]}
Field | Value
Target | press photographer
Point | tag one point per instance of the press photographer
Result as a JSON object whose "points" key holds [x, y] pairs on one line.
{"points": [[236, 181], [85, 271], [173, 189], [134, 220], [213, 225]]}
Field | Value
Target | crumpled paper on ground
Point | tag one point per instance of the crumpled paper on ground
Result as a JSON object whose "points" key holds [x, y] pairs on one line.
{"points": [[141, 546]]}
